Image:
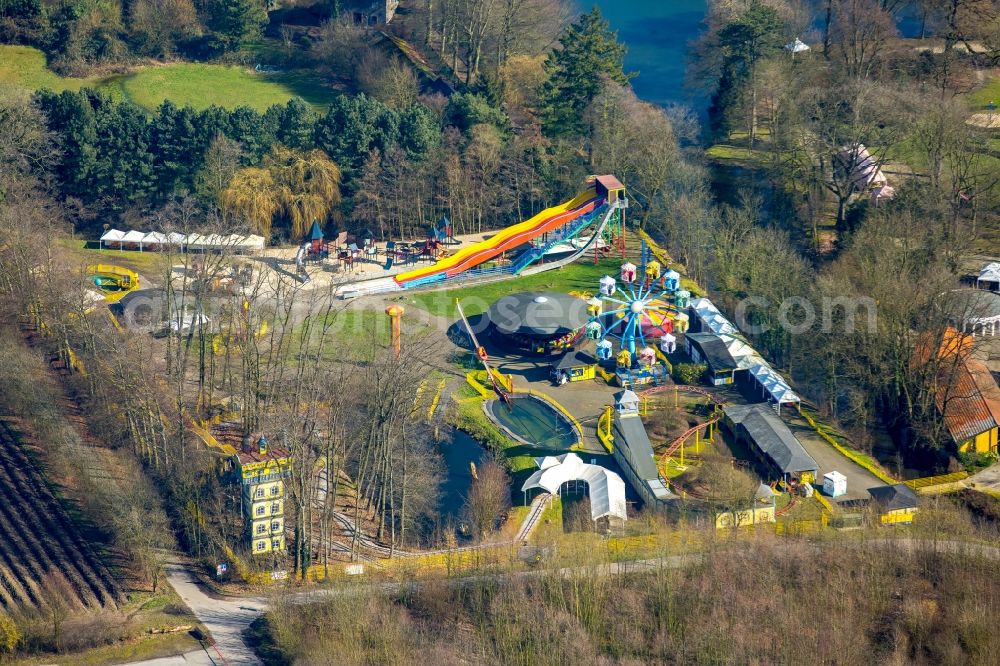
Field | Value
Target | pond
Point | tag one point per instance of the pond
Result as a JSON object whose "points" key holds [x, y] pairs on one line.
{"points": [[533, 421], [458, 451]]}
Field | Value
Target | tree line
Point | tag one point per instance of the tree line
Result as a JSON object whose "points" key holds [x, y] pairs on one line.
{"points": [[80, 34]]}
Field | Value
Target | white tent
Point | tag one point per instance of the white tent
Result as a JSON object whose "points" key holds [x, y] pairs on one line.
{"points": [[133, 237], [605, 488], [990, 272], [196, 242], [882, 193], [798, 46], [112, 236], [865, 171], [154, 240], [773, 385], [711, 319], [249, 243]]}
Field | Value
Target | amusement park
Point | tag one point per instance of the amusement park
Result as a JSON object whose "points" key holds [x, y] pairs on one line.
{"points": [[568, 351]]}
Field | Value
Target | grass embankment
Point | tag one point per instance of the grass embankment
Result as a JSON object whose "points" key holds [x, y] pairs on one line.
{"points": [[199, 85], [979, 99], [148, 264], [581, 276]]}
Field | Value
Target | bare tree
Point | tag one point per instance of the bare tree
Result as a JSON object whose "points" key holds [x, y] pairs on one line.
{"points": [[489, 497]]}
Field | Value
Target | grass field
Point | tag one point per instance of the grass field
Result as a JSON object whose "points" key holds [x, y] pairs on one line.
{"points": [[581, 276], [193, 84], [990, 92], [151, 265]]}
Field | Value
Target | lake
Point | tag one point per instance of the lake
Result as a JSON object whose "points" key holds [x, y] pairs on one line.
{"points": [[657, 33]]}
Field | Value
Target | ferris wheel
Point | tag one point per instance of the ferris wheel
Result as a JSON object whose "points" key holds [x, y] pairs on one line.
{"points": [[635, 312]]}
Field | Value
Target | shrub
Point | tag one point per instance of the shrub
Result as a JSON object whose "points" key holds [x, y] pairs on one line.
{"points": [[10, 635], [689, 373], [973, 462]]}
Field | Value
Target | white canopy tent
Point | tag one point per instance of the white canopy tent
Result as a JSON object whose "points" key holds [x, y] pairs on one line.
{"points": [[773, 385], [155, 240], [112, 236], [865, 171], [990, 274], [133, 237], [711, 319], [605, 488]]}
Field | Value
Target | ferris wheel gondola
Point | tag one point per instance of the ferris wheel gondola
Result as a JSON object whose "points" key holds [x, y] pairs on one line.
{"points": [[646, 306]]}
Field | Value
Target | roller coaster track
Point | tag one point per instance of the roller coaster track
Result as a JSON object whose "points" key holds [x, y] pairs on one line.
{"points": [[676, 443]]}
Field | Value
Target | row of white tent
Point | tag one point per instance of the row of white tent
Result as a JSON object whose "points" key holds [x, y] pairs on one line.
{"points": [[156, 241], [747, 358]]}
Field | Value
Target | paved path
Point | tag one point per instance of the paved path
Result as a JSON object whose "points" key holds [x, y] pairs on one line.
{"points": [[859, 480], [987, 479], [225, 618]]}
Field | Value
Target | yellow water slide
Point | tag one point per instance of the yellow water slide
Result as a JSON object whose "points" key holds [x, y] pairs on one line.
{"points": [[506, 239]]}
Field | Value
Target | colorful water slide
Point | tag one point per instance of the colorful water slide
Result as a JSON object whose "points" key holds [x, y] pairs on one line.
{"points": [[513, 236]]}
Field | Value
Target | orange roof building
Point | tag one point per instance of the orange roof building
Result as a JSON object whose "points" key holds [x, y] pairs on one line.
{"points": [[967, 397]]}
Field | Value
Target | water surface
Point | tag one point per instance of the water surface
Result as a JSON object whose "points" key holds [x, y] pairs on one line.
{"points": [[658, 34]]}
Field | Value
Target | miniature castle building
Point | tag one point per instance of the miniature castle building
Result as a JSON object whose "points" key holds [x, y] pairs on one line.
{"points": [[262, 472], [627, 402], [671, 280]]}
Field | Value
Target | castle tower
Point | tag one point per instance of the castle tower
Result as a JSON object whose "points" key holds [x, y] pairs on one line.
{"points": [[262, 472]]}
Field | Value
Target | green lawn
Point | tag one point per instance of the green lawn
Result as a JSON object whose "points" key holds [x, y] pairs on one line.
{"points": [[148, 264], [201, 85], [581, 276], [24, 67], [979, 98], [193, 84]]}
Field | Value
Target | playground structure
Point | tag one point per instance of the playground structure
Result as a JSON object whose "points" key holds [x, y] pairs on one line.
{"points": [[597, 207], [649, 303], [113, 281]]}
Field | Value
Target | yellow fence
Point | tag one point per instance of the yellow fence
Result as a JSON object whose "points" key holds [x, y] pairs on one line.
{"points": [[854, 456], [604, 430], [824, 502], [929, 481]]}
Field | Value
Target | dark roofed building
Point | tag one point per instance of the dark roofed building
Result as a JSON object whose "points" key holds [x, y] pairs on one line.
{"points": [[575, 366], [542, 322], [634, 453], [763, 431], [710, 349], [896, 503]]}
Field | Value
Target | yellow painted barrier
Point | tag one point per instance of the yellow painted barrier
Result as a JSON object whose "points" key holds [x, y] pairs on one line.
{"points": [[205, 436], [472, 378], [854, 456], [927, 481], [605, 375], [436, 399], [604, 430], [823, 501], [655, 248]]}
